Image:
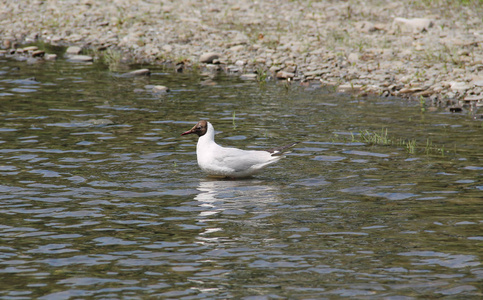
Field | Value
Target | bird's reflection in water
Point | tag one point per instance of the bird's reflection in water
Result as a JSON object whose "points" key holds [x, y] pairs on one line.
{"points": [[246, 201]]}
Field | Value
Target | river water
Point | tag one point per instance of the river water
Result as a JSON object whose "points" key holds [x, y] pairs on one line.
{"points": [[100, 196]]}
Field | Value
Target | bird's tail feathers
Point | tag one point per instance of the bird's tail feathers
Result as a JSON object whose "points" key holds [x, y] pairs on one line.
{"points": [[281, 150]]}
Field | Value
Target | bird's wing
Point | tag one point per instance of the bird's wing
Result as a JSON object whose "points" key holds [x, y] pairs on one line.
{"points": [[240, 160]]}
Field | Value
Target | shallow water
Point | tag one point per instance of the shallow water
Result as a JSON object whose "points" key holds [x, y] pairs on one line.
{"points": [[100, 196]]}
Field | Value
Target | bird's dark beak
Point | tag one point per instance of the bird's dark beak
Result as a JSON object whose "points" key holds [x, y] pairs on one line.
{"points": [[187, 132], [192, 130]]}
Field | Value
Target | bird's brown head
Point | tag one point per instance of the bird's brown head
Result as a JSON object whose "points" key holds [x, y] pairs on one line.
{"points": [[200, 128]]}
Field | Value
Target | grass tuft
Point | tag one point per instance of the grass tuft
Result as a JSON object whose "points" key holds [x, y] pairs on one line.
{"points": [[383, 139]]}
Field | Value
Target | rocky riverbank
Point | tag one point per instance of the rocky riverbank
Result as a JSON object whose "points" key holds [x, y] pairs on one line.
{"points": [[428, 49]]}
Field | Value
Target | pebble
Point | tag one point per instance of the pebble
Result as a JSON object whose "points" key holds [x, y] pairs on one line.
{"points": [[240, 63], [80, 58], [413, 25], [167, 48], [249, 76], [140, 72], [30, 48], [38, 53], [160, 89], [478, 83], [73, 50], [315, 73], [284, 75], [237, 48], [208, 58], [353, 57], [213, 67], [459, 86], [50, 57], [290, 69], [413, 89], [74, 37], [473, 98], [365, 26], [349, 88], [275, 69]]}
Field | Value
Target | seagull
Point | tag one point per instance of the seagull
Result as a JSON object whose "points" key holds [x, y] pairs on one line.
{"points": [[216, 160]]}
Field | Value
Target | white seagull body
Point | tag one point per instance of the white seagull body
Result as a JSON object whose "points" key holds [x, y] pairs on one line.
{"points": [[216, 160]]}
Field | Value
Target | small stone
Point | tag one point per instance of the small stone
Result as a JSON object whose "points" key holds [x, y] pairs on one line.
{"points": [[365, 27], [425, 93], [50, 57], [55, 39], [208, 58], [80, 58], [314, 73], [73, 50], [249, 76], [237, 48], [478, 83], [380, 26], [233, 69], [459, 86], [38, 53], [413, 25], [140, 72], [74, 37], [353, 58], [30, 48], [284, 75], [275, 69], [349, 88], [411, 90], [240, 63], [290, 69], [167, 48], [473, 98], [160, 89], [7, 43]]}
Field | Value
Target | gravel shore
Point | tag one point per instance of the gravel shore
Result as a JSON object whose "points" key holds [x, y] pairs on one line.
{"points": [[429, 49]]}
